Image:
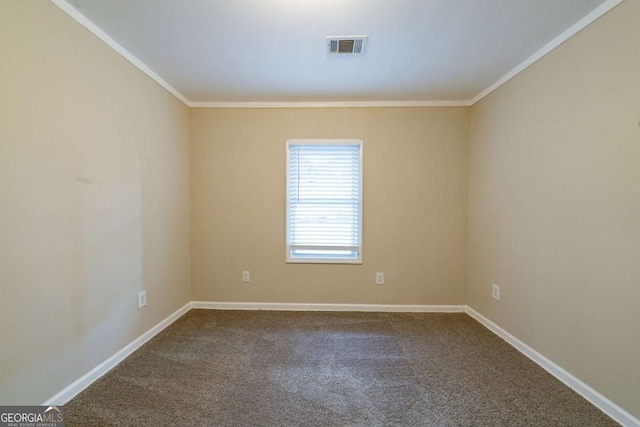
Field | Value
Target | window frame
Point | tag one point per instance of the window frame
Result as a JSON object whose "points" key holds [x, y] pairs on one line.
{"points": [[289, 259]]}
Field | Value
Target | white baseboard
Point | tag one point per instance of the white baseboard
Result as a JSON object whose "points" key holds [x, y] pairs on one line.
{"points": [[83, 382], [604, 404], [215, 305], [87, 379]]}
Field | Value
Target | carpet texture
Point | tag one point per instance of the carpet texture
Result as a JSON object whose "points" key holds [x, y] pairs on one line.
{"points": [[261, 368]]}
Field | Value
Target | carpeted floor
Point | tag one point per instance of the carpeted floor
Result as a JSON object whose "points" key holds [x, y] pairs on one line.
{"points": [[261, 368]]}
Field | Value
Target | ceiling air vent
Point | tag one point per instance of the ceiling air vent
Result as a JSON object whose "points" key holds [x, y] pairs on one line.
{"points": [[346, 44]]}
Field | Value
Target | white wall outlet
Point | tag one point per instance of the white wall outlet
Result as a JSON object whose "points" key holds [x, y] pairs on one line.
{"points": [[379, 278], [142, 299], [245, 277], [495, 292]]}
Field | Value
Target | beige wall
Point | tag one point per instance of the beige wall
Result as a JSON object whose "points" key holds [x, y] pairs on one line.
{"points": [[415, 204], [94, 196], [554, 207]]}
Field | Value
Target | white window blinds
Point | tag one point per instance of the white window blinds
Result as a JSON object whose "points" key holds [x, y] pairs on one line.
{"points": [[324, 201]]}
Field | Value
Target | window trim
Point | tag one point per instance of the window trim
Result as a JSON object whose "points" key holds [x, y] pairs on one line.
{"points": [[289, 259]]}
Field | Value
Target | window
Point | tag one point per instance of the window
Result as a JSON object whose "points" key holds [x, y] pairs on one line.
{"points": [[324, 201]]}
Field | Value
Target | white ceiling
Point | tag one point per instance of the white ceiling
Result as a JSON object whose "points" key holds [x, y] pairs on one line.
{"points": [[274, 50]]}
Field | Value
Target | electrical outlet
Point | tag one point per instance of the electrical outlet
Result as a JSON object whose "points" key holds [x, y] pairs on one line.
{"points": [[142, 299], [245, 277], [495, 292], [379, 278]]}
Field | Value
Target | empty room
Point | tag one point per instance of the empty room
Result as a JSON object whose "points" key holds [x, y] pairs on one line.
{"points": [[319, 213]]}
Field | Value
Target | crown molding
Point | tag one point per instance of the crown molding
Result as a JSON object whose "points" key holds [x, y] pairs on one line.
{"points": [[331, 104], [563, 37], [93, 28]]}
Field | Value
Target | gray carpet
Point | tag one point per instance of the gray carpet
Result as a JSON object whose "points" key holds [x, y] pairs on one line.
{"points": [[257, 368]]}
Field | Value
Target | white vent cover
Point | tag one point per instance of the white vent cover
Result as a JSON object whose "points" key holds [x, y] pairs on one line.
{"points": [[346, 44]]}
